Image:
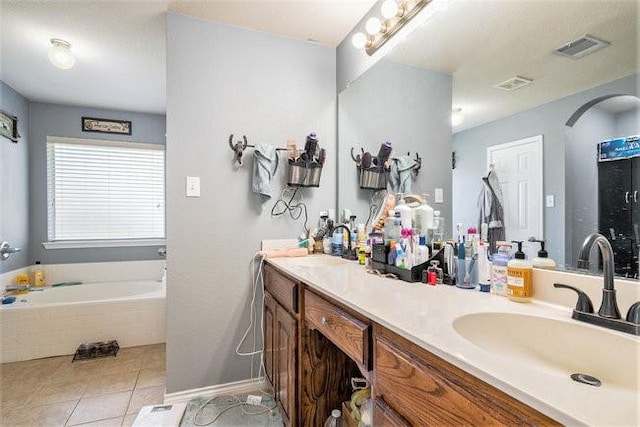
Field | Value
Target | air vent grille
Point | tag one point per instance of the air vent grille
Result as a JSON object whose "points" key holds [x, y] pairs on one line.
{"points": [[581, 47], [513, 83]]}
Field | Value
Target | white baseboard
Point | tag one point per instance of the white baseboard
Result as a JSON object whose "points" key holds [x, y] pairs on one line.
{"points": [[237, 387]]}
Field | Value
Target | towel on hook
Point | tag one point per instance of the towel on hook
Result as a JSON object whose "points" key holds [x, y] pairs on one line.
{"points": [[265, 164], [400, 174]]}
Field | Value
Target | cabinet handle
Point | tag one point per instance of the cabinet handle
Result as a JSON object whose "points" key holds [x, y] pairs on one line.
{"points": [[626, 197], [324, 321], [635, 196]]}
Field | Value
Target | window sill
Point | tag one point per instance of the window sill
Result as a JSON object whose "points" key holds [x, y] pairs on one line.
{"points": [[80, 244]]}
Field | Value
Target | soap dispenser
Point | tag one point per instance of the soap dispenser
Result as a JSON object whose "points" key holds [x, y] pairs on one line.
{"points": [[519, 277], [542, 260]]}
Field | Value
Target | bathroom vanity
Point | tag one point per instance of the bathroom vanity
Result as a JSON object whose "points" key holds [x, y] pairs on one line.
{"points": [[327, 323]]}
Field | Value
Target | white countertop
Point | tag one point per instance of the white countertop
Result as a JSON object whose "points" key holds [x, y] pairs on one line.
{"points": [[424, 315]]}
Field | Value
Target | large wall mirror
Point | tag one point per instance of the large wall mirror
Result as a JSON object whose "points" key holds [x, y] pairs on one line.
{"points": [[569, 102]]}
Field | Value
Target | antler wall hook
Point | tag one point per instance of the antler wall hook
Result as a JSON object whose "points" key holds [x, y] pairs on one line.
{"points": [[238, 148]]}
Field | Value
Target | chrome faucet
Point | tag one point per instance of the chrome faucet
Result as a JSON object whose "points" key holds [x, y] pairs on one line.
{"points": [[608, 315], [6, 249]]}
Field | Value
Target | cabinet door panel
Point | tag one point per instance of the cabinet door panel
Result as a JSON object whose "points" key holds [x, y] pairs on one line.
{"points": [[384, 416], [287, 337], [615, 197], [269, 343]]}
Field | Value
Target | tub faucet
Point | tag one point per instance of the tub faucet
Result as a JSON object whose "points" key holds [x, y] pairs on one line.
{"points": [[608, 315]]}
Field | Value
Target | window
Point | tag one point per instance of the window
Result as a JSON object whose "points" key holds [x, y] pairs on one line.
{"points": [[104, 190]]}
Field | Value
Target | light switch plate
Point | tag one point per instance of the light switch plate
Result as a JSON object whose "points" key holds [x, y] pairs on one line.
{"points": [[193, 186], [550, 201], [439, 197]]}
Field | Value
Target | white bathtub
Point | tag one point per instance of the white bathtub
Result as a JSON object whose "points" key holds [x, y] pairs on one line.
{"points": [[55, 321]]}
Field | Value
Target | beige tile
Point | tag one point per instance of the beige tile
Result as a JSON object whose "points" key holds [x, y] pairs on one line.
{"points": [[112, 383], [51, 415], [155, 348], [109, 422], [128, 420], [100, 407], [58, 392], [37, 369], [113, 366], [144, 397], [16, 394], [151, 377]]}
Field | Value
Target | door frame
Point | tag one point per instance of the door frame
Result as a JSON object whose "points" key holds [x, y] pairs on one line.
{"points": [[538, 141]]}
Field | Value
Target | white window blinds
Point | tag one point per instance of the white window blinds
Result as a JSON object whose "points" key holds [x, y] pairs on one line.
{"points": [[104, 190]]}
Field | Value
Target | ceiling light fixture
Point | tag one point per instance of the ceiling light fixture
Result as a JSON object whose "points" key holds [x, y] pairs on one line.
{"points": [[396, 14], [456, 116], [60, 54]]}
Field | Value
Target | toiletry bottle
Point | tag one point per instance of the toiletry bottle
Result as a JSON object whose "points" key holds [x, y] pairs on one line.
{"points": [[406, 216], [400, 255], [519, 277], [423, 217], [499, 264], [391, 258], [391, 227], [484, 267], [462, 266], [438, 227], [337, 242], [542, 260], [422, 251], [38, 275]]}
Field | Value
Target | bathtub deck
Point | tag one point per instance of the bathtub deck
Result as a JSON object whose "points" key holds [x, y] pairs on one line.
{"points": [[56, 392]]}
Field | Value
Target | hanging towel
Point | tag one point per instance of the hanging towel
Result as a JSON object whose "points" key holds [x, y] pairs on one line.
{"points": [[400, 174], [265, 164], [490, 205]]}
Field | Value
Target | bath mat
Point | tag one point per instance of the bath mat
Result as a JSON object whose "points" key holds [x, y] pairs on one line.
{"points": [[234, 415]]}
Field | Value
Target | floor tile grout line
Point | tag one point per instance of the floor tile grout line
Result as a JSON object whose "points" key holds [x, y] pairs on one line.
{"points": [[71, 413]]}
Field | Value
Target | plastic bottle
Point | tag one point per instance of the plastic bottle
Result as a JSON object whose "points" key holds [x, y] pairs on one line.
{"points": [[542, 260], [337, 242], [438, 227], [400, 256], [519, 277], [422, 251], [499, 265], [406, 216], [38, 275], [391, 231], [484, 267], [335, 419], [423, 217], [391, 258]]}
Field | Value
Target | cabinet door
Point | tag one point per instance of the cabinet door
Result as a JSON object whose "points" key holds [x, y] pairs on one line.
{"points": [[635, 212], [287, 339], [269, 338], [384, 416], [615, 198]]}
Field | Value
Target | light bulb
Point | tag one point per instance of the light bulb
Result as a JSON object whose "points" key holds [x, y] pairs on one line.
{"points": [[456, 117], [60, 54], [373, 26], [359, 40], [389, 9]]}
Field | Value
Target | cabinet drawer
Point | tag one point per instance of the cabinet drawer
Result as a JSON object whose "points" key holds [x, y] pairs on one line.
{"points": [[349, 334], [425, 390], [384, 416], [283, 289]]}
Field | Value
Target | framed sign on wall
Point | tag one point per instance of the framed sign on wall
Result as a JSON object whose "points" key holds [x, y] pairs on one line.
{"points": [[92, 124], [9, 126]]}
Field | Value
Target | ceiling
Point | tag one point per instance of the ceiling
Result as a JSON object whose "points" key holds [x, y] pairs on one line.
{"points": [[483, 43], [120, 45]]}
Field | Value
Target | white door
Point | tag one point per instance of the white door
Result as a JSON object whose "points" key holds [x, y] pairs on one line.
{"points": [[518, 165]]}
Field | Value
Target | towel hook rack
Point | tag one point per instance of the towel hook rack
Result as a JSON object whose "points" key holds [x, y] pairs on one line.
{"points": [[239, 147]]}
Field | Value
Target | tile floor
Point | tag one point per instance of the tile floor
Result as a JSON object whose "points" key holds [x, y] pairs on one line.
{"points": [[99, 392]]}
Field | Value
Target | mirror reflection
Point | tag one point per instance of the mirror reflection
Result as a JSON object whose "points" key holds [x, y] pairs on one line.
{"points": [[562, 73]]}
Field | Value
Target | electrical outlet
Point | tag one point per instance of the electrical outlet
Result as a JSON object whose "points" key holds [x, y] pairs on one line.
{"points": [[439, 197], [550, 201]]}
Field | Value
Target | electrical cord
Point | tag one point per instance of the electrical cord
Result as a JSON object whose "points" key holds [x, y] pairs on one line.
{"points": [[234, 404], [295, 210]]}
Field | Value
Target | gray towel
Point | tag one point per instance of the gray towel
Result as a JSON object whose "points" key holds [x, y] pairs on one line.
{"points": [[400, 174], [265, 164]]}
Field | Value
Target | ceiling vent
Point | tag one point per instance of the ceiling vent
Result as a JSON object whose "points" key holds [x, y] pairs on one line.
{"points": [[583, 46], [513, 83]]}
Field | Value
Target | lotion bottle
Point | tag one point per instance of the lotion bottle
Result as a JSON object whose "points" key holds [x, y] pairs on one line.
{"points": [[499, 264], [406, 215], [542, 260], [519, 277], [38, 275]]}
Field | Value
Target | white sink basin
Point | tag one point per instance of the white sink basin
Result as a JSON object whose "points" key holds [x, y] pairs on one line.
{"points": [[316, 261], [565, 347]]}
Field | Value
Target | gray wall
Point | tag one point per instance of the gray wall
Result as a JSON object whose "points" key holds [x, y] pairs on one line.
{"points": [[223, 80], [65, 121], [14, 181], [408, 106], [628, 123], [549, 120]]}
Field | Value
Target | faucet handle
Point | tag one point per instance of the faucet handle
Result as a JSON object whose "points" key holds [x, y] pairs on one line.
{"points": [[633, 315], [584, 303]]}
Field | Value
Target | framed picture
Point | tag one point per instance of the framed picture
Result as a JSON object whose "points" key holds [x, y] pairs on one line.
{"points": [[92, 124], [9, 126]]}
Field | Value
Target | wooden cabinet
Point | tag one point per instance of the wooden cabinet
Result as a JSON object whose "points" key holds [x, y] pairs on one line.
{"points": [[314, 345], [281, 332], [419, 388]]}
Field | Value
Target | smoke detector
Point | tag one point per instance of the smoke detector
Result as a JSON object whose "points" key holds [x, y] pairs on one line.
{"points": [[513, 83], [583, 46]]}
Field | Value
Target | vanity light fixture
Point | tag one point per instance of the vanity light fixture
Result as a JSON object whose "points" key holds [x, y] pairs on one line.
{"points": [[396, 13], [60, 54], [456, 116]]}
